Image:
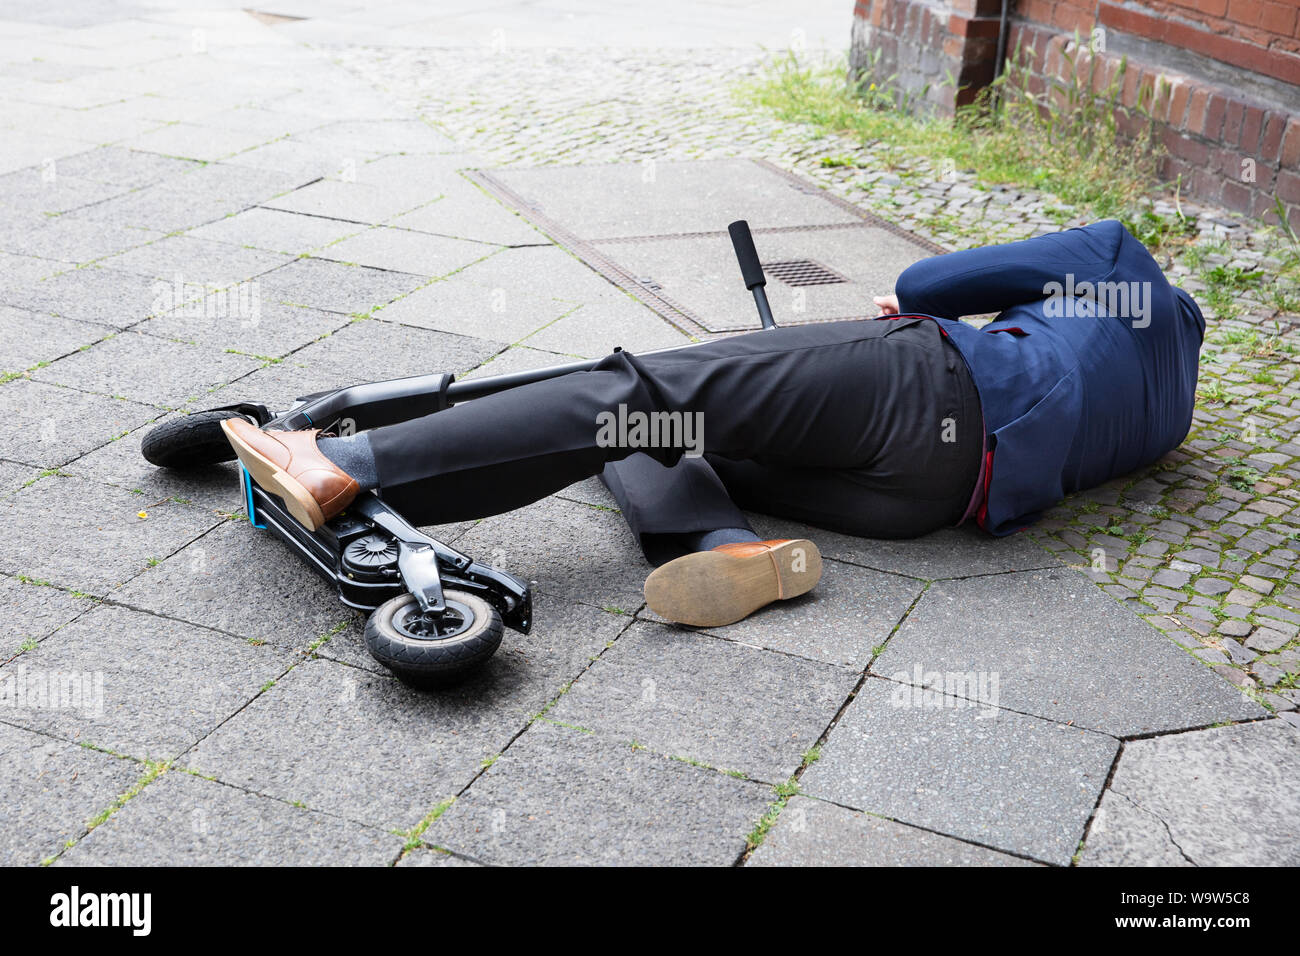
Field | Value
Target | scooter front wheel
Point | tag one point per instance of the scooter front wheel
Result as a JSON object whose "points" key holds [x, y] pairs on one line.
{"points": [[190, 441], [433, 650]]}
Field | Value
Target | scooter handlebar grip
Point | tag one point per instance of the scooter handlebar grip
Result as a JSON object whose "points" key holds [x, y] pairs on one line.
{"points": [[743, 242]]}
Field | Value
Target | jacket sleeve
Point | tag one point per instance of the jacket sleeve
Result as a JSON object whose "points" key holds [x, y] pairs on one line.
{"points": [[996, 278]]}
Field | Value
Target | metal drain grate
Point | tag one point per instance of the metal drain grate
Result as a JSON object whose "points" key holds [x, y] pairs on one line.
{"points": [[799, 272]]}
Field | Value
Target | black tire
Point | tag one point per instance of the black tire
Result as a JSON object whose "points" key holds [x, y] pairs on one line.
{"points": [[394, 639], [190, 441]]}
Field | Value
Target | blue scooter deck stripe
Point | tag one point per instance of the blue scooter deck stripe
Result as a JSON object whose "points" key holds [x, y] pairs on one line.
{"points": [[247, 481]]}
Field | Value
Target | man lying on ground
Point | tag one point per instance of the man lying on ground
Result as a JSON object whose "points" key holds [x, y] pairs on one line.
{"points": [[884, 429]]}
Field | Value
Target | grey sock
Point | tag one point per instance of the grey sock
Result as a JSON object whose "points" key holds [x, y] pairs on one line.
{"points": [[354, 455], [708, 540]]}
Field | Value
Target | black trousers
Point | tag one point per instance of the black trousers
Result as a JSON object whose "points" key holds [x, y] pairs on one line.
{"points": [[870, 428]]}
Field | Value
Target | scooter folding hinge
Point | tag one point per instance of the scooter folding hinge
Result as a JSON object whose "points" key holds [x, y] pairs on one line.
{"points": [[418, 566]]}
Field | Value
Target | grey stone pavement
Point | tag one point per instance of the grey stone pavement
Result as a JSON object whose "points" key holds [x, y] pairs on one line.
{"points": [[204, 205]]}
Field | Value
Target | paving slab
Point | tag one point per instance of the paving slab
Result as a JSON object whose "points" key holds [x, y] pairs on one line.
{"points": [[355, 202], [701, 698], [17, 271], [184, 820], [31, 612], [548, 648], [425, 855], [196, 261], [274, 230], [597, 329], [619, 200], [149, 687], [816, 833], [123, 166], [591, 491], [1052, 644], [497, 314], [280, 600], [851, 612], [237, 320], [571, 552], [1006, 781], [334, 287], [29, 338], [403, 250], [108, 297], [698, 274], [14, 475], [50, 425], [214, 489], [303, 160], [163, 207], [950, 553], [559, 797], [50, 790], [196, 141], [91, 536], [350, 742], [75, 240], [547, 271], [521, 358], [1219, 797], [842, 621], [361, 351], [468, 216], [34, 191], [246, 184], [442, 170], [389, 135], [165, 373]]}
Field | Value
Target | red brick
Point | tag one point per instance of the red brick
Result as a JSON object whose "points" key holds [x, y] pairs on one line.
{"points": [[1279, 18], [1236, 197], [1213, 8], [1231, 134], [1289, 158], [1178, 105], [1288, 186], [1132, 80], [1252, 123], [1207, 185], [1214, 111], [1274, 127], [973, 27], [1245, 12], [1196, 111], [1281, 65], [1263, 205], [1195, 152]]}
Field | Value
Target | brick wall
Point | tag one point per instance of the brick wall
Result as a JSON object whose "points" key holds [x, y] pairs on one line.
{"points": [[1230, 114]]}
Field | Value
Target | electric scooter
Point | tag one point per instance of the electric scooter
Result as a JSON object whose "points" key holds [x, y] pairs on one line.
{"points": [[435, 614]]}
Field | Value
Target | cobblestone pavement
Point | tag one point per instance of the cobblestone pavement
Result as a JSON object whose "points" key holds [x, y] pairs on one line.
{"points": [[204, 206]]}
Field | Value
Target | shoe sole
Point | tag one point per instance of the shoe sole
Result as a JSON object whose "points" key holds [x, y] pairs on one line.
{"points": [[270, 477], [713, 588]]}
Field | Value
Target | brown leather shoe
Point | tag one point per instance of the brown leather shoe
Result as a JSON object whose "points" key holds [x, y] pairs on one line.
{"points": [[722, 586], [289, 464]]}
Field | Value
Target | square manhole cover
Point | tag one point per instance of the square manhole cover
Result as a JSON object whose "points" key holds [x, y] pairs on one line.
{"points": [[658, 230], [800, 272]]}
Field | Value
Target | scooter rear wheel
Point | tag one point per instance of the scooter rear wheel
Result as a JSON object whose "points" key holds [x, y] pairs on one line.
{"points": [[425, 652], [190, 441]]}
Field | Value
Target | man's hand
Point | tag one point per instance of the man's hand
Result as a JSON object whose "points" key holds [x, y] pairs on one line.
{"points": [[888, 304]]}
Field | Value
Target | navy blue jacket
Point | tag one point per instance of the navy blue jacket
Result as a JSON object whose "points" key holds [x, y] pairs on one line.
{"points": [[1076, 388]]}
